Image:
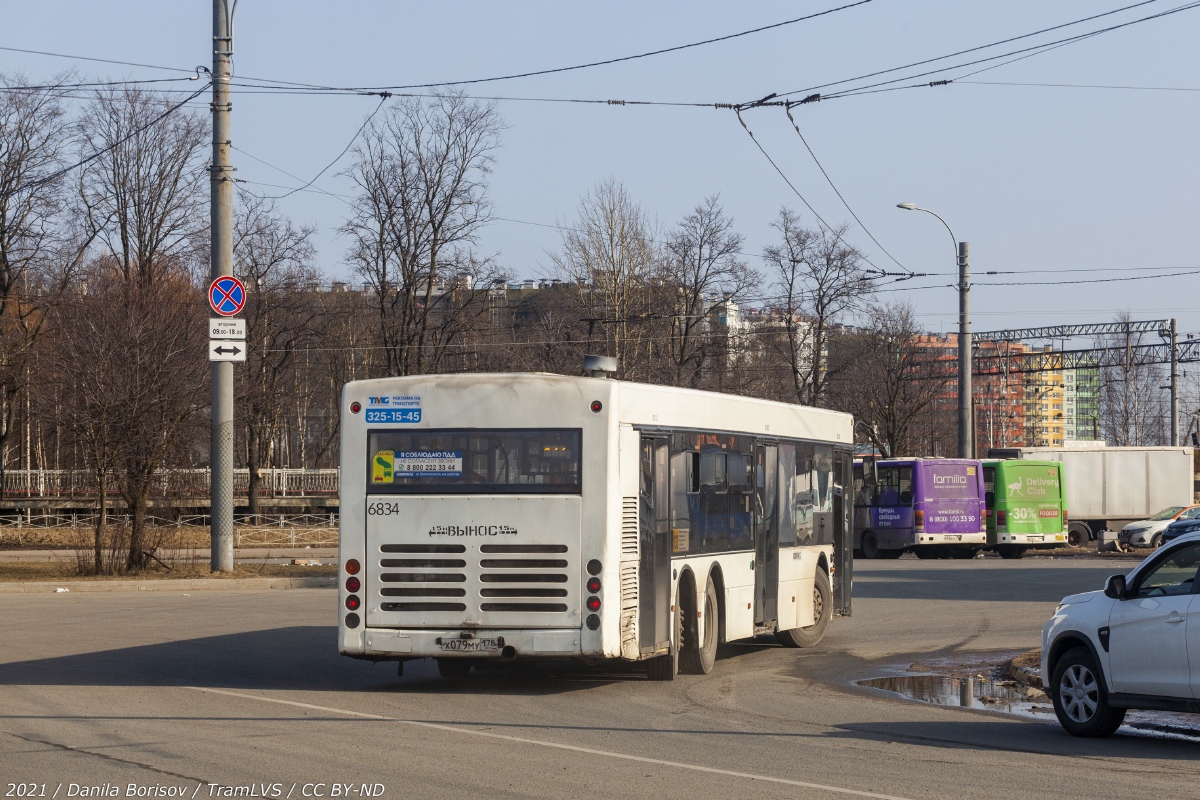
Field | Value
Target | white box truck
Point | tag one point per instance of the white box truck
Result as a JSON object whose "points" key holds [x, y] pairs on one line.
{"points": [[1108, 487]]}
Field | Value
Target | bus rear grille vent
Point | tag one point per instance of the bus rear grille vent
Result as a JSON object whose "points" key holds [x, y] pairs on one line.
{"points": [[629, 586], [522, 548], [435, 563], [422, 548], [629, 607], [525, 591], [422, 591], [522, 577], [422, 607], [523, 563], [542, 607], [423, 577], [629, 528]]}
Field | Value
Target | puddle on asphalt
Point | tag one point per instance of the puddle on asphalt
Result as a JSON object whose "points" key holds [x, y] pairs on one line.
{"points": [[1007, 696], [1011, 697]]}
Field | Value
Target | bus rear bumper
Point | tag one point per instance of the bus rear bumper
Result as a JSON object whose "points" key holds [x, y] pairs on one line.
{"points": [[1031, 539], [951, 538], [387, 643]]}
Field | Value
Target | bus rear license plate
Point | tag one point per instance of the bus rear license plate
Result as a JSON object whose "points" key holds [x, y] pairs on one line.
{"points": [[468, 645], [953, 537], [1036, 538]]}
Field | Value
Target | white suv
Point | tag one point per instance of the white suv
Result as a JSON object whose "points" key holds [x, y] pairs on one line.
{"points": [[1134, 645]]}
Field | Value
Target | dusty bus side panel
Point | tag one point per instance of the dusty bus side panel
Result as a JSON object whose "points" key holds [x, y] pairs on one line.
{"points": [[352, 521]]}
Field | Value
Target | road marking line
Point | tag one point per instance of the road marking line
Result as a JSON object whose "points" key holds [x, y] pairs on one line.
{"points": [[555, 745]]}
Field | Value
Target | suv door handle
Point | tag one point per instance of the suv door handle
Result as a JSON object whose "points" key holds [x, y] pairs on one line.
{"points": [[1175, 620]]}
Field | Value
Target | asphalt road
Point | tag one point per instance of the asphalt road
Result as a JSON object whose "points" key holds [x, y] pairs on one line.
{"points": [[241, 689]]}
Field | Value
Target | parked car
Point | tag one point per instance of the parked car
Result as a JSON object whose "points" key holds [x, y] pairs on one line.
{"points": [[1134, 645], [1178, 528], [1147, 532]]}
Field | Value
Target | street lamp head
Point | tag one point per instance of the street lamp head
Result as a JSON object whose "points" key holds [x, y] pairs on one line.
{"points": [[907, 206]]}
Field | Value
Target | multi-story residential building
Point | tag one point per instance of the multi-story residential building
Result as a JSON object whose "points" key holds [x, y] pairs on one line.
{"points": [[997, 390], [1044, 401], [1081, 404]]}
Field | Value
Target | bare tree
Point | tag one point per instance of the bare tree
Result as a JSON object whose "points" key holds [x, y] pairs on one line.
{"points": [[39, 247], [421, 175], [1133, 409], [890, 383], [274, 260], [142, 195], [136, 352], [701, 272], [820, 278], [609, 258]]}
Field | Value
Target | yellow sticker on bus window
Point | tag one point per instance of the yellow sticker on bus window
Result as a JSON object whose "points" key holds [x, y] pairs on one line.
{"points": [[680, 540], [383, 467]]}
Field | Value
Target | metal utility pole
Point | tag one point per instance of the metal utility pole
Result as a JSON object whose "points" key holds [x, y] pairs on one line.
{"points": [[966, 432], [1174, 383], [221, 211]]}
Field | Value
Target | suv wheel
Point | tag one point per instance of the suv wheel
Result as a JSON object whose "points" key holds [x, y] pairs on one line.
{"points": [[1080, 699], [1156, 541]]}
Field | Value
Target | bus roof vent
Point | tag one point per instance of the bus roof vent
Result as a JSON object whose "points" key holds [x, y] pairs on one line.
{"points": [[600, 366]]}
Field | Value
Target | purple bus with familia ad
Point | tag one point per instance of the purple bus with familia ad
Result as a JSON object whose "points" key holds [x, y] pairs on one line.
{"points": [[931, 506]]}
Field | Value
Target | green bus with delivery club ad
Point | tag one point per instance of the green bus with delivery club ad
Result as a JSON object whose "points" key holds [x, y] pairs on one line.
{"points": [[1026, 506]]}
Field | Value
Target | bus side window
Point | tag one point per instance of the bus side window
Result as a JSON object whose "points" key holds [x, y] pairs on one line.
{"points": [[787, 495], [888, 491], [906, 486], [803, 494], [682, 500]]}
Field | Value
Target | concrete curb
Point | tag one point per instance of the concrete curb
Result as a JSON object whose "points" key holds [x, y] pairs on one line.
{"points": [[178, 585]]}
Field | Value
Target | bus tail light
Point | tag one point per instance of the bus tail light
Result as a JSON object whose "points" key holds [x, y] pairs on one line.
{"points": [[352, 602], [593, 604], [353, 584], [919, 519], [1064, 517], [593, 585], [352, 566], [1001, 518]]}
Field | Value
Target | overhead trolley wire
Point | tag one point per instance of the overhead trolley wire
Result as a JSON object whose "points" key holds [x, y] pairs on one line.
{"points": [[1037, 49], [828, 179], [605, 62], [968, 50], [59, 173], [382, 99]]}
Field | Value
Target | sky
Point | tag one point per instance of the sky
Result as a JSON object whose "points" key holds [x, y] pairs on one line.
{"points": [[1057, 184]]}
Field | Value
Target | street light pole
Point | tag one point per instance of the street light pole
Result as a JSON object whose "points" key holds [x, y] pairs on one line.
{"points": [[966, 432], [966, 428]]}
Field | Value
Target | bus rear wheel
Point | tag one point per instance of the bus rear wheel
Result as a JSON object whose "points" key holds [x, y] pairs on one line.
{"points": [[1011, 551], [697, 655], [822, 614], [1078, 534], [870, 546], [963, 552]]}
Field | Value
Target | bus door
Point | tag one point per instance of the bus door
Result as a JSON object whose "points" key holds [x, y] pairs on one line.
{"points": [[654, 546], [766, 534], [843, 533]]}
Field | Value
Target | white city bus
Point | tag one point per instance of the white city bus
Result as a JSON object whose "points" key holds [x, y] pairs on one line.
{"points": [[532, 516]]}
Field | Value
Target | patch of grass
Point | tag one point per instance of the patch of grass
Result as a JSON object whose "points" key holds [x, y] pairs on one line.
{"points": [[18, 572]]}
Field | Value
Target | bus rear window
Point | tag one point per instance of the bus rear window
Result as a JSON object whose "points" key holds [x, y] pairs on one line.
{"points": [[495, 461]]}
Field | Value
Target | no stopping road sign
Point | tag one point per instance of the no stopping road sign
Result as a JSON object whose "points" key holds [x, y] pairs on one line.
{"points": [[227, 296]]}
